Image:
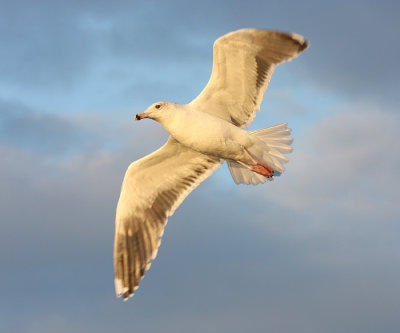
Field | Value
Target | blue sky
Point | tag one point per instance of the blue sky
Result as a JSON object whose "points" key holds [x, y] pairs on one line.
{"points": [[315, 251]]}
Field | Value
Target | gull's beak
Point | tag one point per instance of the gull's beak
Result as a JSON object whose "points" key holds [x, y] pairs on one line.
{"points": [[141, 115]]}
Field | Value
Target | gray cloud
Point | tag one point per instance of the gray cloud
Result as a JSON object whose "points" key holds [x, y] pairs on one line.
{"points": [[348, 166], [352, 50], [30, 130], [59, 134], [229, 261]]}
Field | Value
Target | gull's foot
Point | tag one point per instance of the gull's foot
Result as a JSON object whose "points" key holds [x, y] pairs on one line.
{"points": [[258, 166], [262, 169]]}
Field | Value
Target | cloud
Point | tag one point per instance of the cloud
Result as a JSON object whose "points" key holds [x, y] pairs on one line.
{"points": [[58, 135], [259, 261], [352, 52], [46, 133], [346, 163]]}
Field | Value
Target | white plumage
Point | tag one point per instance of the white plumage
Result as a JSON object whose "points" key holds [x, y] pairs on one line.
{"points": [[204, 133]]}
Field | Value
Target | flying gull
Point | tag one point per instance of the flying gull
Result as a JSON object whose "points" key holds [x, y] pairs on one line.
{"points": [[203, 134]]}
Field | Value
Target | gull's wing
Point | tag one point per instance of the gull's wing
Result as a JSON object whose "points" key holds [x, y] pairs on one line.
{"points": [[153, 188], [244, 61]]}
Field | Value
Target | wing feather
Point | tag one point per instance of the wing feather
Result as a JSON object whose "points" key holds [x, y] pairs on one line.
{"points": [[153, 188], [244, 61]]}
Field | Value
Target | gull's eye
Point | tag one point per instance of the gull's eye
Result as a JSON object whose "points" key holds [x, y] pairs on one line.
{"points": [[157, 106]]}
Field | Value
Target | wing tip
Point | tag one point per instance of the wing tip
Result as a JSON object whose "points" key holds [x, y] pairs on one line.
{"points": [[122, 291], [119, 287], [303, 43], [299, 39]]}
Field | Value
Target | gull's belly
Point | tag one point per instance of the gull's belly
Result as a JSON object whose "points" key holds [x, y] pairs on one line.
{"points": [[211, 136], [214, 145]]}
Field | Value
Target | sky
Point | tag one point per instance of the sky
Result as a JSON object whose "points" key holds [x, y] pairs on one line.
{"points": [[314, 251]]}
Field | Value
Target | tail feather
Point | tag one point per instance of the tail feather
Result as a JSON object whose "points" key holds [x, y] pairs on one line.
{"points": [[282, 147], [281, 158], [275, 142]]}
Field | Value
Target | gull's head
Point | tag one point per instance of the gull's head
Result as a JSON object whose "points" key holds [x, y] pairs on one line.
{"points": [[157, 111]]}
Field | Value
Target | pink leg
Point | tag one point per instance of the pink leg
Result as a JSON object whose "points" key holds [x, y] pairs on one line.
{"points": [[258, 166]]}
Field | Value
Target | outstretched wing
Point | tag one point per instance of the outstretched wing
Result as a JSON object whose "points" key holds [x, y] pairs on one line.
{"points": [[244, 61], [153, 188]]}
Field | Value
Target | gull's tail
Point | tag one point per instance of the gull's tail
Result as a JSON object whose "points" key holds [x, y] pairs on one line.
{"points": [[275, 143]]}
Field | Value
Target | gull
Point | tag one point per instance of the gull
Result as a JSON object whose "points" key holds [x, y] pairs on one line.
{"points": [[203, 134]]}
